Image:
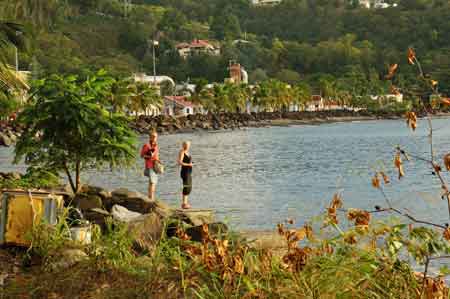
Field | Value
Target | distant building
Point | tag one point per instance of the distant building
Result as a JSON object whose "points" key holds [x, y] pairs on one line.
{"points": [[238, 74], [180, 106], [185, 89], [153, 80], [157, 80], [315, 104], [377, 4], [196, 47], [388, 98], [265, 2]]}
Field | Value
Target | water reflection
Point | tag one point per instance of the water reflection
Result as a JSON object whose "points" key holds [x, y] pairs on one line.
{"points": [[258, 177]]}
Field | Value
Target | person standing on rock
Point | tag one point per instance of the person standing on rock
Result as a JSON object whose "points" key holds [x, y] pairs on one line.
{"points": [[185, 161], [150, 153]]}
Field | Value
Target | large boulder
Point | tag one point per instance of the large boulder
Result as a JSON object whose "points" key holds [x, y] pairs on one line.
{"points": [[195, 217], [146, 230], [133, 201], [162, 209], [122, 214], [97, 216], [85, 201], [215, 230], [5, 140], [264, 239], [104, 194]]}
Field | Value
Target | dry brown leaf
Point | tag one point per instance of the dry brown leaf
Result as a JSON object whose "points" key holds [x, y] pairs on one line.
{"points": [[238, 265], [376, 181], [395, 90], [411, 56], [411, 120], [446, 234], [300, 234], [309, 231], [359, 216], [350, 239], [385, 177], [391, 71], [447, 161], [399, 165]]}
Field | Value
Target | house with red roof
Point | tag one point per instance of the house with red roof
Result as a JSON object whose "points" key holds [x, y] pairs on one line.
{"points": [[180, 106], [197, 47]]}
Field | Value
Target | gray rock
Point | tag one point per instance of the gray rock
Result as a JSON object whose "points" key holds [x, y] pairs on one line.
{"points": [[5, 140], [13, 137], [97, 216], [163, 209], [264, 239], [124, 193], [215, 230], [133, 201], [146, 231], [122, 214], [195, 217], [69, 258], [86, 201]]}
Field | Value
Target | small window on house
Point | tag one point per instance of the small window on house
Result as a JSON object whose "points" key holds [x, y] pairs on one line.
{"points": [[188, 110]]}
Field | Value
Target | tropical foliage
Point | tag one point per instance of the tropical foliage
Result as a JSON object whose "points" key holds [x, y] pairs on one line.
{"points": [[12, 84], [68, 129], [297, 41]]}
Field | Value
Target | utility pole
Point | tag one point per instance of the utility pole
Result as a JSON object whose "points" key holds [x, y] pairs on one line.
{"points": [[17, 58], [126, 7], [17, 52], [154, 43]]}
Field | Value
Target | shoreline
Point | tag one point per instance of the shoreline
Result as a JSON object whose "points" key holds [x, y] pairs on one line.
{"points": [[278, 122], [231, 121], [197, 123]]}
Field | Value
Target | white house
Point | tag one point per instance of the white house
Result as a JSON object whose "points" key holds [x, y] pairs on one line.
{"points": [[265, 2], [388, 97], [378, 4], [180, 106], [315, 104], [196, 47]]}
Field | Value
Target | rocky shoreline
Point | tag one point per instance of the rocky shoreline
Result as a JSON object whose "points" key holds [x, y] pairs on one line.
{"points": [[231, 121], [9, 133]]}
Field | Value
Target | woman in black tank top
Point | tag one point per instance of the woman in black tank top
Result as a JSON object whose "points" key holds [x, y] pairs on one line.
{"points": [[185, 161]]}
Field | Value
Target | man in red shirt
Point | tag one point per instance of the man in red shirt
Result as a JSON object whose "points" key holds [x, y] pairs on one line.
{"points": [[150, 153]]}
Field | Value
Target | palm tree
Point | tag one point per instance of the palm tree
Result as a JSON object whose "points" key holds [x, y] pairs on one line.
{"points": [[143, 97], [302, 94], [121, 91], [11, 35]]}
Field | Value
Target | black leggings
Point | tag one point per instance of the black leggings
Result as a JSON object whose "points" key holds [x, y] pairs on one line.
{"points": [[187, 183]]}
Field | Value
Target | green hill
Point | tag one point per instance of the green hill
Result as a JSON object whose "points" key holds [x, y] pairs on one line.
{"points": [[296, 40]]}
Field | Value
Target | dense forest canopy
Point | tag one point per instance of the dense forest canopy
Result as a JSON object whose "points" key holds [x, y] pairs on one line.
{"points": [[298, 40]]}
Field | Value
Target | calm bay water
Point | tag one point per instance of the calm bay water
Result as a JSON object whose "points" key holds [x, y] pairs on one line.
{"points": [[256, 178]]}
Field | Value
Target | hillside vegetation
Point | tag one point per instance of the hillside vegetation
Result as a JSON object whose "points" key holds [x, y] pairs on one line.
{"points": [[317, 41]]}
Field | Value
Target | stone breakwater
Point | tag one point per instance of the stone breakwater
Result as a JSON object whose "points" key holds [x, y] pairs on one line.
{"points": [[9, 133], [231, 121]]}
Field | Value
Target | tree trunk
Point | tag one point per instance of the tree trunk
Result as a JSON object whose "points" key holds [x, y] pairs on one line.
{"points": [[72, 185], [77, 177]]}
